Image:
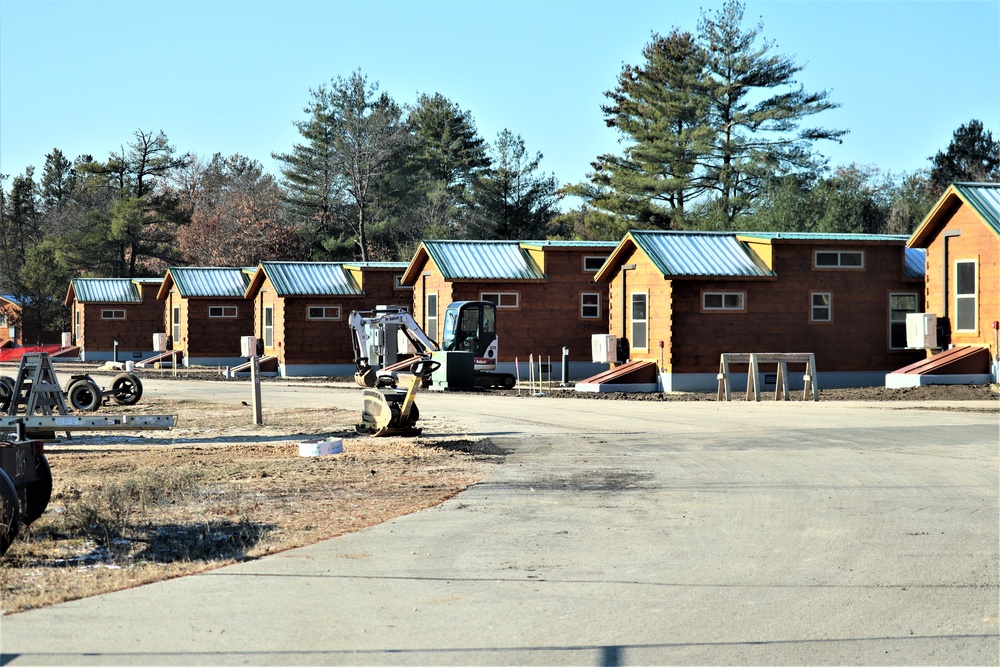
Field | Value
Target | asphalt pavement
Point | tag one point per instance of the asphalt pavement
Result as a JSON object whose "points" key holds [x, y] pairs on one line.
{"points": [[615, 533]]}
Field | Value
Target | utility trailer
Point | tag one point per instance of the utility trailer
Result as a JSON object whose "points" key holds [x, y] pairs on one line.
{"points": [[36, 410]]}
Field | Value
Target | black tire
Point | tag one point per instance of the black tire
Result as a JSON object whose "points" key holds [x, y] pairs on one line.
{"points": [[126, 388], [36, 495], [6, 393], [507, 381], [10, 514], [84, 395]]}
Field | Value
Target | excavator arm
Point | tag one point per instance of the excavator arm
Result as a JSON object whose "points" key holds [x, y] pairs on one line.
{"points": [[365, 324]]}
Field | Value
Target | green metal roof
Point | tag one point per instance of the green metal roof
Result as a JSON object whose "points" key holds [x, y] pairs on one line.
{"points": [[700, 254], [821, 236], [310, 279], [483, 260], [106, 290], [195, 281], [571, 244], [985, 198]]}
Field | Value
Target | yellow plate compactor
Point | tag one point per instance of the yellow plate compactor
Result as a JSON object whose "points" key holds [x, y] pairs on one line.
{"points": [[393, 411]]}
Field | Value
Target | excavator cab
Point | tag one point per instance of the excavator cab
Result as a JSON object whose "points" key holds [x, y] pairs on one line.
{"points": [[470, 326]]}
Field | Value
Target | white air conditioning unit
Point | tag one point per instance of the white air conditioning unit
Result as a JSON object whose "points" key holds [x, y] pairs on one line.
{"points": [[248, 346], [159, 342], [921, 331], [604, 348]]}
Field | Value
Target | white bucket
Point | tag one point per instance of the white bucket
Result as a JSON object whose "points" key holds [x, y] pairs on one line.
{"points": [[129, 366], [321, 447]]}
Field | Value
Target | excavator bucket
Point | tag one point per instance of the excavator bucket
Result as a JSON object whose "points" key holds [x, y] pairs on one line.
{"points": [[365, 378]]}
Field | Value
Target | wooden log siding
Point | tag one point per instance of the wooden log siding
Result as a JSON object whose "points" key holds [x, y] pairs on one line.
{"points": [[975, 242], [776, 313], [316, 341], [135, 332], [205, 336]]}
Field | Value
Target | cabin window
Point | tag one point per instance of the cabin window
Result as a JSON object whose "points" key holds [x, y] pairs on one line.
{"points": [[899, 306], [639, 327], [76, 325], [590, 305], [177, 325], [593, 263], [324, 312], [222, 311], [398, 282], [502, 299], [822, 307], [431, 316], [269, 327], [3, 320], [839, 259], [965, 295], [722, 300], [112, 314]]}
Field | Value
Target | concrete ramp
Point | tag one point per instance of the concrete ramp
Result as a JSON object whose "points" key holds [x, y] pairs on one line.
{"points": [[163, 358], [964, 364], [633, 376]]}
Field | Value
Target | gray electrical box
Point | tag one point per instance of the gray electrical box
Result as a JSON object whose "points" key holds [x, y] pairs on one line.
{"points": [[457, 371]]}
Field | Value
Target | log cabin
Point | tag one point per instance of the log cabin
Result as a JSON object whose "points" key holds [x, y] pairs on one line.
{"points": [[544, 291], [114, 316], [205, 313], [301, 310], [961, 238], [682, 299], [10, 321]]}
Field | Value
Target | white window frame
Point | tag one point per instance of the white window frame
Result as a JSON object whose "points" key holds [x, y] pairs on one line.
{"points": [[969, 299], [397, 283], [224, 311], [328, 312], [431, 320], [268, 327], [590, 260], [634, 322], [112, 314], [828, 306], [840, 259], [176, 323], [590, 302], [900, 324], [725, 296], [502, 299]]}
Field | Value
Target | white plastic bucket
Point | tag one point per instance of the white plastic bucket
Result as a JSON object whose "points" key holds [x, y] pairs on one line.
{"points": [[321, 447]]}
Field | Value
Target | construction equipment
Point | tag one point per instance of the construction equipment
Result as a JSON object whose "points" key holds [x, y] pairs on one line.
{"points": [[390, 411], [469, 326], [25, 487], [36, 390]]}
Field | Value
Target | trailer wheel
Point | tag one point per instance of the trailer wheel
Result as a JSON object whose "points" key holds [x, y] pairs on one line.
{"points": [[126, 389], [36, 495], [6, 392], [84, 395], [10, 522]]}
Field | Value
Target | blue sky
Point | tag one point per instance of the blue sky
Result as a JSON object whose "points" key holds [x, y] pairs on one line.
{"points": [[232, 77]]}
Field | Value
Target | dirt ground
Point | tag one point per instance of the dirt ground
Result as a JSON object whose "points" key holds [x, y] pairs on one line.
{"points": [[129, 509]]}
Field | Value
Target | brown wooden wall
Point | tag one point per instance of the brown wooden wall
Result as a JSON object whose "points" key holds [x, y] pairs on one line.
{"points": [[976, 242], [547, 317], [204, 336], [299, 340], [135, 332], [777, 313]]}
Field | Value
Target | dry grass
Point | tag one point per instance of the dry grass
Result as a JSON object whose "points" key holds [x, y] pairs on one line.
{"points": [[128, 510]]}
